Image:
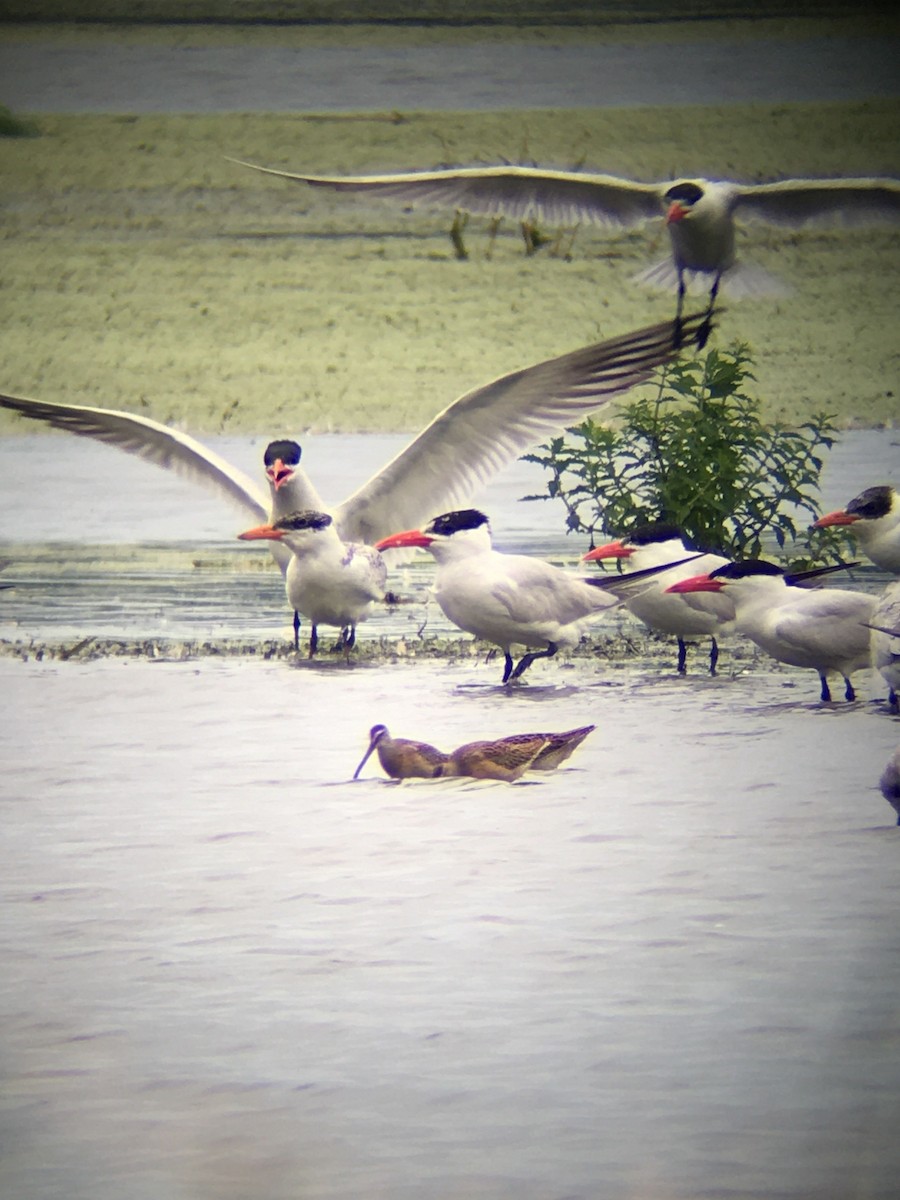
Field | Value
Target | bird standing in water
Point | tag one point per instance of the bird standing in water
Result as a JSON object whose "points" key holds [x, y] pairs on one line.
{"points": [[505, 758]]}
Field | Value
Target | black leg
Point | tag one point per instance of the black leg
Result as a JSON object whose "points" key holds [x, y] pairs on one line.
{"points": [[849, 693], [456, 234], [313, 640], [679, 308], [682, 657], [527, 659], [713, 656], [507, 665], [296, 631], [826, 691], [894, 705], [706, 327]]}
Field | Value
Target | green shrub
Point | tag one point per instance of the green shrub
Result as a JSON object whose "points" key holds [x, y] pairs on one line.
{"points": [[13, 126], [695, 454]]}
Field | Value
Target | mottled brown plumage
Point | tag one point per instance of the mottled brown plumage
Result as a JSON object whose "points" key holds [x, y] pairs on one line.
{"points": [[504, 758], [402, 758]]}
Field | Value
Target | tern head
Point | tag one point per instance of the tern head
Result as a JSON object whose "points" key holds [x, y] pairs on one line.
{"points": [[464, 526], [295, 528], [280, 460], [376, 734], [681, 197], [656, 533], [870, 505], [731, 573]]}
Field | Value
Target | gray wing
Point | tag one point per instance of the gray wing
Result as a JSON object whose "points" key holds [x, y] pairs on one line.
{"points": [[151, 441], [559, 197], [796, 201], [486, 429]]}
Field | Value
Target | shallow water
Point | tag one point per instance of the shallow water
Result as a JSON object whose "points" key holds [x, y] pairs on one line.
{"points": [[669, 970], [666, 972], [144, 553]]}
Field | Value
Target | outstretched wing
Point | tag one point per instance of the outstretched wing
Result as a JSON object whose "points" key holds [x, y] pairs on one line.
{"points": [[486, 429], [565, 198], [796, 201], [152, 442]]}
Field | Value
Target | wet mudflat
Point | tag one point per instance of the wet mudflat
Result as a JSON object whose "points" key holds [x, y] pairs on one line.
{"points": [[667, 970]]}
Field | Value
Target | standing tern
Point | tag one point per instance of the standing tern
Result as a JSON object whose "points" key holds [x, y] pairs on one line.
{"points": [[873, 518], [443, 467], [699, 213], [684, 614], [507, 599], [328, 580], [680, 615], [820, 629]]}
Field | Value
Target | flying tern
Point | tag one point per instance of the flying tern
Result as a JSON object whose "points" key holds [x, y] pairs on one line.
{"points": [[699, 213]]}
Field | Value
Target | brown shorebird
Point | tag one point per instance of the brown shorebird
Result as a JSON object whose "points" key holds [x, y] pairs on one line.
{"points": [[402, 758], [505, 758]]}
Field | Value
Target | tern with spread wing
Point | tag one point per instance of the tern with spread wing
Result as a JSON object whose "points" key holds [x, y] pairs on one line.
{"points": [[699, 213], [458, 453], [823, 629]]}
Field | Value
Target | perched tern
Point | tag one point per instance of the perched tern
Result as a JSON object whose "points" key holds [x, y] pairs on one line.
{"points": [[823, 629], [443, 467], [329, 581], [680, 615], [873, 518], [699, 213], [507, 599], [685, 614]]}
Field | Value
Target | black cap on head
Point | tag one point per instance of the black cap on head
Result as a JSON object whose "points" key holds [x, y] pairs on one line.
{"points": [[687, 191], [310, 519], [654, 531], [743, 570], [871, 504], [453, 522], [289, 453]]}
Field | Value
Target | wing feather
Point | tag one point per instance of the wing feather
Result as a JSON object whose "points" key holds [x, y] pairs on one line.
{"points": [[151, 441], [488, 428], [797, 201], [565, 198]]}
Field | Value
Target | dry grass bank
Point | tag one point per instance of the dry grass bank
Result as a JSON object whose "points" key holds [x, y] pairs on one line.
{"points": [[143, 271]]}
